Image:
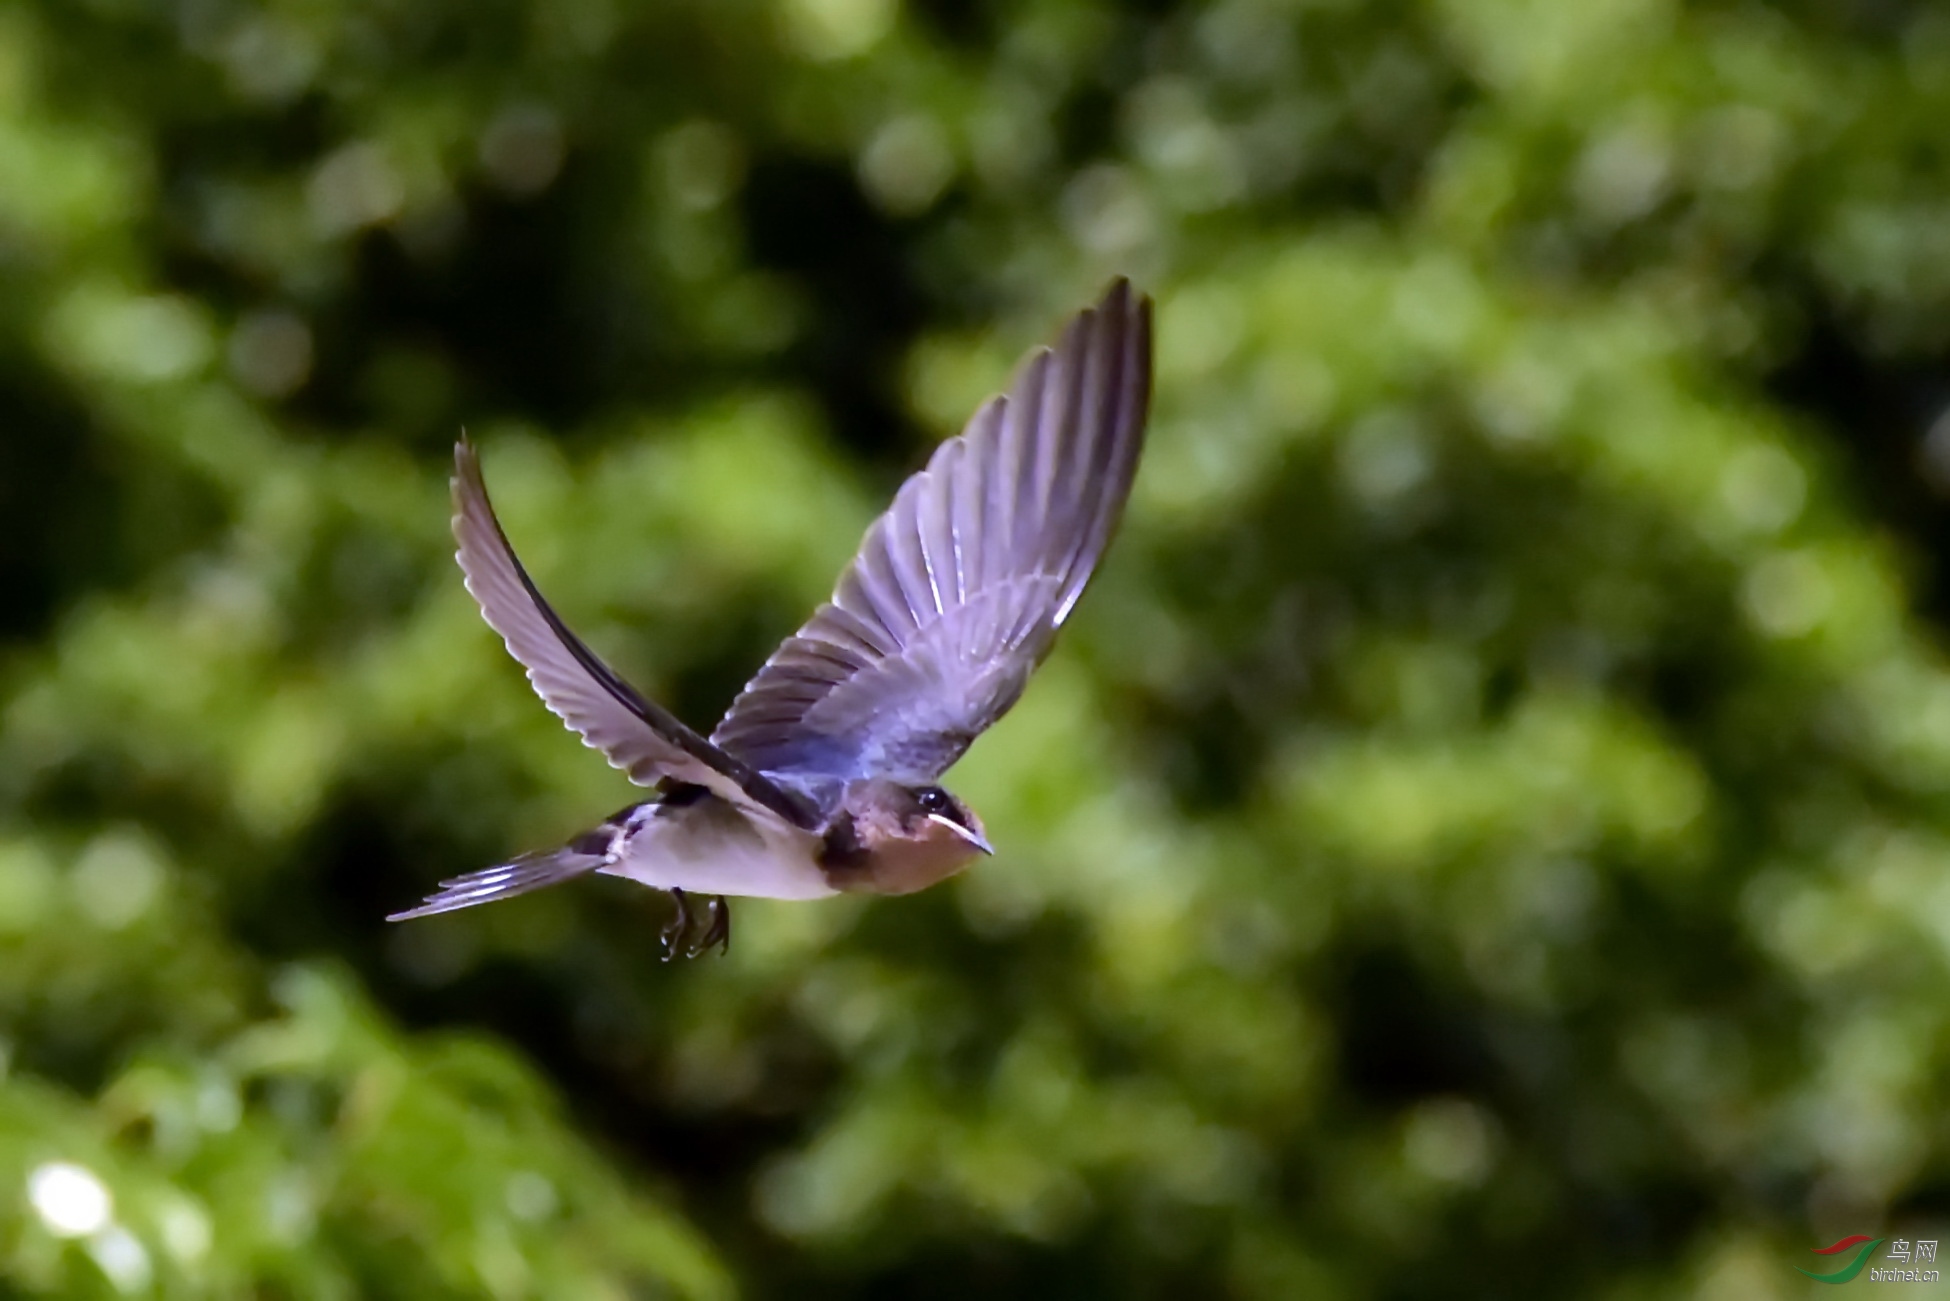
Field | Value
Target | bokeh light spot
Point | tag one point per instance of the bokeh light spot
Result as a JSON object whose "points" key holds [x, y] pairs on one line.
{"points": [[71, 1201]]}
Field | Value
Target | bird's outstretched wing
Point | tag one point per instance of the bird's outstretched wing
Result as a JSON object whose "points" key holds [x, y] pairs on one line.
{"points": [[644, 740], [958, 590]]}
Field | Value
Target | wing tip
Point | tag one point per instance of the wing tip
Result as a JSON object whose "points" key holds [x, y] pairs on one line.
{"points": [[1122, 298], [467, 460], [1120, 304], [466, 478]]}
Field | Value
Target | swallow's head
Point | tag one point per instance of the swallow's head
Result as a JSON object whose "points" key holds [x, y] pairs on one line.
{"points": [[939, 818], [912, 836]]}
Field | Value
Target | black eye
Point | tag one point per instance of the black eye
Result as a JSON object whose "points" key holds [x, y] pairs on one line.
{"points": [[933, 799]]}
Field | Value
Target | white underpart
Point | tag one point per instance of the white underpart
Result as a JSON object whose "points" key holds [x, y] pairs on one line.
{"points": [[711, 848]]}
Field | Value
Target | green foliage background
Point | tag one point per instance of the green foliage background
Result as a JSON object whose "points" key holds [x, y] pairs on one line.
{"points": [[1485, 832]]}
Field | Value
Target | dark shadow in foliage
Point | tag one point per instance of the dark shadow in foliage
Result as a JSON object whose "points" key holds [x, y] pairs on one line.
{"points": [[531, 300], [1878, 410], [809, 220], [79, 515]]}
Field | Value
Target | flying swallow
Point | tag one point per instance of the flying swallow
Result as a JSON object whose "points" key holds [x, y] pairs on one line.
{"points": [[823, 776]]}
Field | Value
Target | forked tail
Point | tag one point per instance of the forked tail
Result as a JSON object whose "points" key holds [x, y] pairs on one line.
{"points": [[529, 872]]}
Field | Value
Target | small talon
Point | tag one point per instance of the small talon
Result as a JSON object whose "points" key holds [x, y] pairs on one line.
{"points": [[719, 931], [677, 927]]}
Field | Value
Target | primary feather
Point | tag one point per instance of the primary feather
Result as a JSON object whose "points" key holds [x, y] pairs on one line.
{"points": [[643, 739], [958, 590]]}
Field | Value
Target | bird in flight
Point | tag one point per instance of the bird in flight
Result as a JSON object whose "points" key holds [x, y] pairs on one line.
{"points": [[822, 778]]}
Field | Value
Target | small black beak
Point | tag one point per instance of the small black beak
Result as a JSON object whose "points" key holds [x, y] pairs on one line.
{"points": [[971, 837]]}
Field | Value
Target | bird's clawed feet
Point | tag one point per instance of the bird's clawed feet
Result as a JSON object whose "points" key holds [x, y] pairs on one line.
{"points": [[676, 932], [719, 931]]}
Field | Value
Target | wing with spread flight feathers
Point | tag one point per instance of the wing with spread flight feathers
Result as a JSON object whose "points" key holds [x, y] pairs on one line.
{"points": [[958, 590], [643, 739]]}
